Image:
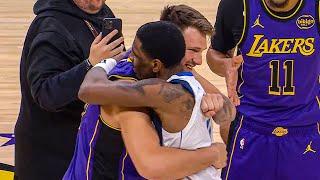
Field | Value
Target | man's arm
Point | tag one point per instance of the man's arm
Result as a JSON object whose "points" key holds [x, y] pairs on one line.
{"points": [[154, 93], [223, 111], [218, 62], [53, 76], [156, 162], [224, 118], [54, 73]]}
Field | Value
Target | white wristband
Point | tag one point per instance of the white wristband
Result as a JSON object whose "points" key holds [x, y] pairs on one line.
{"points": [[107, 64]]}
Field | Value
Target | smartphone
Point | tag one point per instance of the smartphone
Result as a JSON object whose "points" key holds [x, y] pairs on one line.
{"points": [[110, 24]]}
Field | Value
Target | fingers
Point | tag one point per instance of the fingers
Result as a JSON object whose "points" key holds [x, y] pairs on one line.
{"points": [[108, 37], [97, 39], [204, 106], [117, 50], [211, 104], [115, 43], [120, 56], [210, 113], [237, 60]]}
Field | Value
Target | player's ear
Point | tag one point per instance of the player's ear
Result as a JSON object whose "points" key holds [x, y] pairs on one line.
{"points": [[156, 65]]}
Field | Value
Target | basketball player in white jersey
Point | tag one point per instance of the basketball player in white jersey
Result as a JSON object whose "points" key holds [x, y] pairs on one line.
{"points": [[176, 103]]}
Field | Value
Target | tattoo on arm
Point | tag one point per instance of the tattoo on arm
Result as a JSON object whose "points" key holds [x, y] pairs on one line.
{"points": [[188, 104], [139, 87], [170, 92]]}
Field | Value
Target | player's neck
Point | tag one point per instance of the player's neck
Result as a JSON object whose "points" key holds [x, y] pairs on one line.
{"points": [[167, 73], [283, 8]]}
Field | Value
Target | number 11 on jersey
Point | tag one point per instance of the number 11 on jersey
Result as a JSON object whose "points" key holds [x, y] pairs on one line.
{"points": [[288, 88]]}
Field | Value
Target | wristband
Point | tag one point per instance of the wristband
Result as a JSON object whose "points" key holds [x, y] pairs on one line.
{"points": [[107, 64]]}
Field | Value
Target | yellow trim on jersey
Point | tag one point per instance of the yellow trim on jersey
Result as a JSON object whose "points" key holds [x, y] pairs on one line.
{"points": [[123, 165], [122, 77], [244, 22], [105, 123], [318, 100], [279, 17], [241, 75], [90, 145], [6, 175], [233, 146], [318, 128]]}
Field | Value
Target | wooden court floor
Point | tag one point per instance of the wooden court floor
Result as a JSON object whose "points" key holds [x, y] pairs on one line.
{"points": [[15, 18]]}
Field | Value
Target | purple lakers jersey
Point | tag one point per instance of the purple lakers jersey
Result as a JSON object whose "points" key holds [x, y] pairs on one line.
{"points": [[100, 152], [279, 82]]}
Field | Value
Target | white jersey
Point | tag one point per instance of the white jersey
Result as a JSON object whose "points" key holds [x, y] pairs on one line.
{"points": [[197, 133]]}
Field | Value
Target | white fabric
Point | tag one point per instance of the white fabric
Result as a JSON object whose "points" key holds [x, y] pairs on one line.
{"points": [[196, 134], [107, 64]]}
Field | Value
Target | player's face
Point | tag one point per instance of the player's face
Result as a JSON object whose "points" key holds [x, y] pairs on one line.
{"points": [[90, 6], [196, 43], [278, 3], [143, 66]]}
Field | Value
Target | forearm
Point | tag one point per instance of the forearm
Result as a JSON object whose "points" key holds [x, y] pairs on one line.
{"points": [[177, 163], [53, 93], [227, 113], [224, 131], [217, 62], [97, 89]]}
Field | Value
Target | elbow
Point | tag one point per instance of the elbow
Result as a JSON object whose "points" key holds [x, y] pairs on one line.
{"points": [[214, 63], [84, 92], [46, 103], [150, 168]]}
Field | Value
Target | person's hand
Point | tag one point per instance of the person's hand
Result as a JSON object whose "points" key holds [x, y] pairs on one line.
{"points": [[123, 55], [102, 48], [211, 104], [220, 155], [232, 78]]}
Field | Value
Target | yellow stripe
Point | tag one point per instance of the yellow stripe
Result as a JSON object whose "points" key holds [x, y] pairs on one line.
{"points": [[318, 100], [286, 17], [318, 128], [122, 77], [241, 75], [234, 144], [6, 175], [90, 145], [123, 160], [244, 22], [105, 122]]}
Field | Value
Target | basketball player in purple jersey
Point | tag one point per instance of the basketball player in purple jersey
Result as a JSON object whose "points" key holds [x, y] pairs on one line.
{"points": [[93, 159], [277, 131]]}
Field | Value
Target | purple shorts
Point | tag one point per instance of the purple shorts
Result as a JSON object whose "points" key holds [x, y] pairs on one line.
{"points": [[261, 152]]}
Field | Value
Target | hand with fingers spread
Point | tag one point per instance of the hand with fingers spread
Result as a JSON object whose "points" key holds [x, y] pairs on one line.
{"points": [[102, 48], [232, 78], [211, 104]]}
